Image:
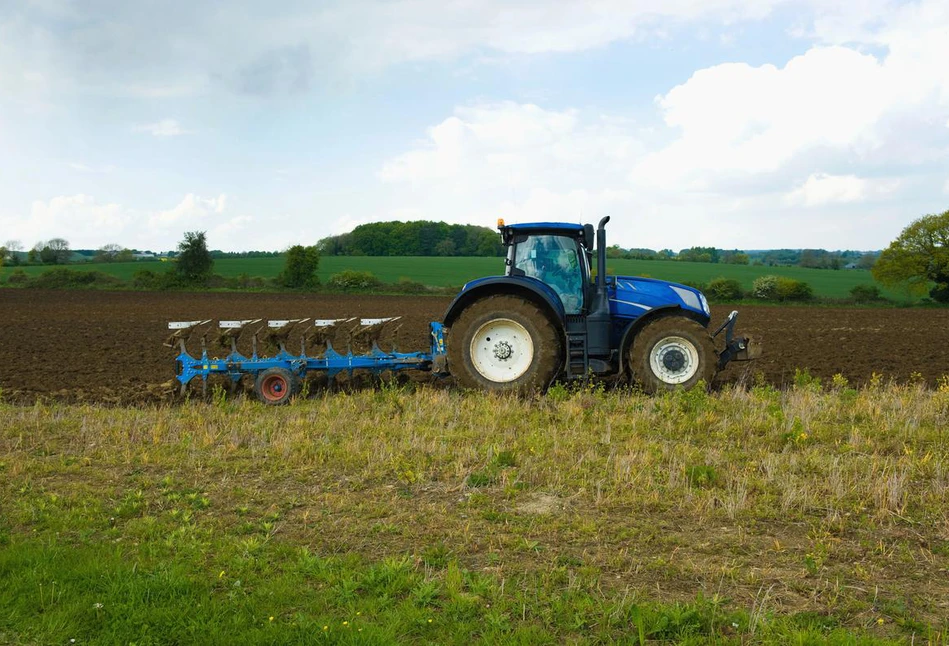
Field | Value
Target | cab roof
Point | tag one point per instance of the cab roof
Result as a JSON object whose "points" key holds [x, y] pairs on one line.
{"points": [[565, 227]]}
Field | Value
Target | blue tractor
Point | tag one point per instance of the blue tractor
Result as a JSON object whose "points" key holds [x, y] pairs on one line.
{"points": [[548, 317]]}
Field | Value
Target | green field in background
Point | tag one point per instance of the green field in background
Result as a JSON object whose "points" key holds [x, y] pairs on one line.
{"points": [[455, 271]]}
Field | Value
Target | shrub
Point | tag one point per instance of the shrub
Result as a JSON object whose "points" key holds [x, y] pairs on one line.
{"points": [[147, 280], [724, 289], [781, 288], [865, 293], [765, 287], [353, 280], [789, 289], [18, 277], [217, 281], [62, 278], [246, 281]]}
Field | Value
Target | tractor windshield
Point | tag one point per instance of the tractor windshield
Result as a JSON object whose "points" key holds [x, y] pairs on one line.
{"points": [[554, 260]]}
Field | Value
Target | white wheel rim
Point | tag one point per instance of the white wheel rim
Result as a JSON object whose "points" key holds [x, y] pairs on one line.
{"points": [[501, 350], [674, 360]]}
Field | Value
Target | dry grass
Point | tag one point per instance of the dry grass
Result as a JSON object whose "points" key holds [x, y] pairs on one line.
{"points": [[829, 501]]}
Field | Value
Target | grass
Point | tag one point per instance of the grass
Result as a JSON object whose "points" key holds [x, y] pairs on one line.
{"points": [[455, 271], [422, 515]]}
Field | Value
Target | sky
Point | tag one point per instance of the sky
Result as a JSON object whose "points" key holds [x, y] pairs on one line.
{"points": [[748, 125]]}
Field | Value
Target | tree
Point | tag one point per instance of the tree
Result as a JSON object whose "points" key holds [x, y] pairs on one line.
{"points": [[445, 247], [194, 263], [918, 257], [301, 266], [735, 258], [109, 253], [867, 261], [60, 251], [10, 253]]}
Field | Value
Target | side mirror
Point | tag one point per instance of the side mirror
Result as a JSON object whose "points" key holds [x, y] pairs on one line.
{"points": [[588, 236]]}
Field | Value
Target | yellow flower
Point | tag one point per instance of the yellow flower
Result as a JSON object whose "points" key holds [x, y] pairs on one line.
{"points": [[326, 627], [271, 619], [880, 621]]}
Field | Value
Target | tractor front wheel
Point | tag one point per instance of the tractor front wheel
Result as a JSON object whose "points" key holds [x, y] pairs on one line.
{"points": [[504, 343], [275, 386], [672, 352]]}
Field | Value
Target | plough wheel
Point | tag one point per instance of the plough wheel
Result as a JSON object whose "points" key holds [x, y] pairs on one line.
{"points": [[275, 386], [504, 343]]}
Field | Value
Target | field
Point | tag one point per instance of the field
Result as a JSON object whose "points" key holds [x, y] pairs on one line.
{"points": [[455, 271], [106, 346], [774, 510]]}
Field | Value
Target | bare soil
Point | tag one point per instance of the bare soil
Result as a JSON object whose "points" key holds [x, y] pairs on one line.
{"points": [[107, 346]]}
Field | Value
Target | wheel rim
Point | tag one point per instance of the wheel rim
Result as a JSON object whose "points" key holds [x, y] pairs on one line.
{"points": [[674, 360], [502, 350], [274, 388]]}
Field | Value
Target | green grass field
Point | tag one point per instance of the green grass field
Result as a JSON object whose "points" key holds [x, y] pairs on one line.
{"points": [[392, 516], [456, 271]]}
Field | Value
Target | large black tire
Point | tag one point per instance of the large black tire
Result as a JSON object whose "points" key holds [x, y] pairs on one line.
{"points": [[672, 352], [275, 386], [504, 343]]}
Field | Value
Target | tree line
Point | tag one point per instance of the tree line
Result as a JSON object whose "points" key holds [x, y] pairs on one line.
{"points": [[811, 258], [415, 238]]}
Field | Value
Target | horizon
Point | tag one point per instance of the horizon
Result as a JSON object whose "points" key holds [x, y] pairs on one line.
{"points": [[776, 124]]}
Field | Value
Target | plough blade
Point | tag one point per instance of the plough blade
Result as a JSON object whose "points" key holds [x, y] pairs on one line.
{"points": [[231, 331], [182, 329], [320, 357]]}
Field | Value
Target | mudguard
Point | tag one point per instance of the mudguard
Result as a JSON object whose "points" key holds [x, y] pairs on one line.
{"points": [[530, 288]]}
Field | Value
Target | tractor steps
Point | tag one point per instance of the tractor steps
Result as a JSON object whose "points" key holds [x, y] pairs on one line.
{"points": [[578, 360]]}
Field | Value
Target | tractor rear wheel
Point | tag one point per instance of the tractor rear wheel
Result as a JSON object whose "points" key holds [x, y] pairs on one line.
{"points": [[275, 386], [504, 343], [672, 352]]}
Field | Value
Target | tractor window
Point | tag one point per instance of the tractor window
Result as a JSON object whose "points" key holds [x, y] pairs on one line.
{"points": [[554, 260]]}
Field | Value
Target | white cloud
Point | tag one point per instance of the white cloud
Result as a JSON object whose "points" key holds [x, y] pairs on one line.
{"points": [[418, 30], [77, 218], [163, 128], [821, 189], [192, 210], [129, 49], [512, 146], [87, 223], [523, 162], [735, 120]]}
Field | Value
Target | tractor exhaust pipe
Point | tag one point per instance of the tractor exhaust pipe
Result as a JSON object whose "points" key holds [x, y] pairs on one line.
{"points": [[601, 255], [598, 319]]}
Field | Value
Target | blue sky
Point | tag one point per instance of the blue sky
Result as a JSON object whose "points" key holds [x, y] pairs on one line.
{"points": [[776, 123]]}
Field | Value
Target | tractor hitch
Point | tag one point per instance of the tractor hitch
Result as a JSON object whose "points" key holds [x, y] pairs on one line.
{"points": [[740, 348]]}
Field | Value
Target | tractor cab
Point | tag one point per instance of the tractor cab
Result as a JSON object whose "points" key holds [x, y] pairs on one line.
{"points": [[556, 254]]}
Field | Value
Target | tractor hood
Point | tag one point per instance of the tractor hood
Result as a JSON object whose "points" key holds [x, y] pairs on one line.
{"points": [[631, 296]]}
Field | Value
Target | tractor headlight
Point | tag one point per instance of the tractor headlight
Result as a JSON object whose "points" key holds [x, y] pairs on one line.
{"points": [[704, 301]]}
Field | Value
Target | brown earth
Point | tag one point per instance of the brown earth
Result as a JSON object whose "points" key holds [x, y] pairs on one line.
{"points": [[107, 346]]}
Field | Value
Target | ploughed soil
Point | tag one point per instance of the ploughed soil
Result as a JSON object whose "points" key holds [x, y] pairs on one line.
{"points": [[108, 346]]}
